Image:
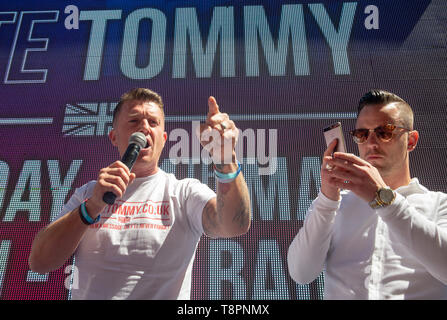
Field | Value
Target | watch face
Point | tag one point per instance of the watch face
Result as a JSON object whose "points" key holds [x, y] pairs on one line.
{"points": [[386, 195]]}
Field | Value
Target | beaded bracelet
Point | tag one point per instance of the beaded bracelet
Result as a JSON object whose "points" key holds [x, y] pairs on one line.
{"points": [[227, 177]]}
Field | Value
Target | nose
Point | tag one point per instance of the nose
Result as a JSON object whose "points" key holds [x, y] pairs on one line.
{"points": [[145, 127], [372, 139]]}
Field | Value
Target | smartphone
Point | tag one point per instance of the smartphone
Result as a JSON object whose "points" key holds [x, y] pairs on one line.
{"points": [[332, 132]]}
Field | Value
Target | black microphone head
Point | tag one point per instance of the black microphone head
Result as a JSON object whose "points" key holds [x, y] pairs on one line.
{"points": [[139, 139]]}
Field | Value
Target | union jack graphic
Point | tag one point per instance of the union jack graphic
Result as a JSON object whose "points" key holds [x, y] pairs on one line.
{"points": [[88, 119]]}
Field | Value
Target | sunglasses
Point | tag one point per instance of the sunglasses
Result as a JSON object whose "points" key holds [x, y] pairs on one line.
{"points": [[385, 133]]}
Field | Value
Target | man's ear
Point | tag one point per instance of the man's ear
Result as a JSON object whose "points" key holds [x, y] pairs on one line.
{"points": [[165, 137], [112, 137], [413, 138]]}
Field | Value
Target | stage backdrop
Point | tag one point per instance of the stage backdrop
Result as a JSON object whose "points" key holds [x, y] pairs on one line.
{"points": [[282, 70]]}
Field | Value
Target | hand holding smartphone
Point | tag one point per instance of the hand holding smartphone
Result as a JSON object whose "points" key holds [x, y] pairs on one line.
{"points": [[332, 132]]}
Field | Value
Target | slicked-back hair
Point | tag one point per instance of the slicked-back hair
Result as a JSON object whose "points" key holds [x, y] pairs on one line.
{"points": [[382, 97]]}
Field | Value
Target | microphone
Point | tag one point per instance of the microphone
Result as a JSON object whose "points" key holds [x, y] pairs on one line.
{"points": [[137, 141]]}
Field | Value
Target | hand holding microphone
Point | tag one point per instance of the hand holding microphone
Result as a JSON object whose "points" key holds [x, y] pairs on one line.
{"points": [[137, 141], [113, 180]]}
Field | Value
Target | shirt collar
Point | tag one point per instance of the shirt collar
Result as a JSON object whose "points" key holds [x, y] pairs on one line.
{"points": [[149, 178], [413, 187]]}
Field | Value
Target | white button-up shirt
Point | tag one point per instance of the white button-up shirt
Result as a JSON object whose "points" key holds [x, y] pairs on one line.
{"points": [[395, 252]]}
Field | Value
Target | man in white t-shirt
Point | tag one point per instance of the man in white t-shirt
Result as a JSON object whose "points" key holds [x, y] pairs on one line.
{"points": [[143, 245], [385, 235]]}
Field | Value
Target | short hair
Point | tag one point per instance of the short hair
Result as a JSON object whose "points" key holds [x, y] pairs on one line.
{"points": [[138, 94], [382, 97]]}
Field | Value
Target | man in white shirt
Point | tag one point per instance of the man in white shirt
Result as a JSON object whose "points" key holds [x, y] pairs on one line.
{"points": [[143, 245], [376, 231]]}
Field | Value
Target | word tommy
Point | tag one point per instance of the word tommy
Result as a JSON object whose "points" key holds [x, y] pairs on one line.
{"points": [[257, 37]]}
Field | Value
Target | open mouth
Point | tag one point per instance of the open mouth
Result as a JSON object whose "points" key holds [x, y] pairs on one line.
{"points": [[148, 144], [146, 150]]}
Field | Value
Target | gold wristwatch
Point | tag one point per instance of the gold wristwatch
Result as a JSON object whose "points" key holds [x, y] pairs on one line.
{"points": [[384, 197]]}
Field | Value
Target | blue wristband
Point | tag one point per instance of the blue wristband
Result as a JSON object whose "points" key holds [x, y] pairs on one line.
{"points": [[227, 177], [85, 217]]}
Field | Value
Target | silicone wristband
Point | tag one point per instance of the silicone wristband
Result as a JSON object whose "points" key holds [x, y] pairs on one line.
{"points": [[85, 217], [227, 177]]}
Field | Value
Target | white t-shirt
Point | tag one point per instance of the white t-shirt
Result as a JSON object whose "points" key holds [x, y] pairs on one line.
{"points": [[143, 246]]}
